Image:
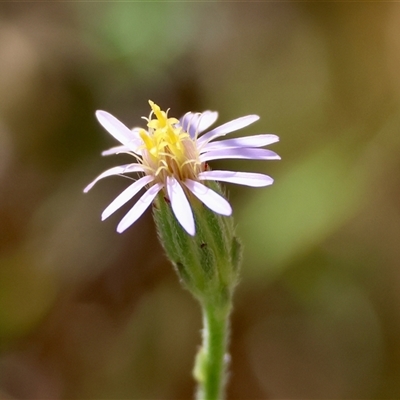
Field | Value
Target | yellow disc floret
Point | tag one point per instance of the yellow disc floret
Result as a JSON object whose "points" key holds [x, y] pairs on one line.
{"points": [[167, 149]]}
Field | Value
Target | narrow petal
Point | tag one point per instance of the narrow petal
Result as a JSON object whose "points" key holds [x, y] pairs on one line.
{"points": [[195, 123], [242, 153], [122, 169], [117, 129], [184, 120], [247, 141], [189, 123], [139, 208], [241, 178], [207, 118], [180, 205], [229, 127], [211, 199], [126, 195], [116, 150]]}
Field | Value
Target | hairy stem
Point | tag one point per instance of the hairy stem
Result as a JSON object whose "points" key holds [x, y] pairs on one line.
{"points": [[210, 365]]}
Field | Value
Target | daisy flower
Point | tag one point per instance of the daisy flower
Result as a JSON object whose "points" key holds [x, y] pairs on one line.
{"points": [[172, 156]]}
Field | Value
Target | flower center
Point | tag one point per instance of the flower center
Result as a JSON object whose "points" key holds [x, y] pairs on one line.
{"points": [[167, 149]]}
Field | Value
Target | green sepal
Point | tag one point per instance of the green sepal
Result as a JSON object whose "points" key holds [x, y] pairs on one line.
{"points": [[207, 263]]}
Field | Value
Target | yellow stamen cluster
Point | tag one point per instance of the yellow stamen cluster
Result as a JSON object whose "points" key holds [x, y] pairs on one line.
{"points": [[168, 150]]}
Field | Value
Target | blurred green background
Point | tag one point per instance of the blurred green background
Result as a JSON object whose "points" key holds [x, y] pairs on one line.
{"points": [[86, 313]]}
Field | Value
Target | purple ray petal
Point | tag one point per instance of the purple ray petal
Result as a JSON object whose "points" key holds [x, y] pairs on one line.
{"points": [[117, 129], [229, 127], [241, 178], [189, 123], [211, 199], [122, 169], [183, 121], [180, 205], [139, 208], [247, 141], [126, 195], [241, 153], [207, 118], [195, 123]]}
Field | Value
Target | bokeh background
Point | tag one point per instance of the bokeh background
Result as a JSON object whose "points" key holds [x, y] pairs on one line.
{"points": [[86, 313]]}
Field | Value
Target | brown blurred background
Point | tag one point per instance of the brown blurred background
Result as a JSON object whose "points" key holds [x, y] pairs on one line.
{"points": [[86, 313]]}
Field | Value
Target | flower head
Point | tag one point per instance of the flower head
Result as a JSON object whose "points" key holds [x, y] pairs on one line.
{"points": [[172, 155]]}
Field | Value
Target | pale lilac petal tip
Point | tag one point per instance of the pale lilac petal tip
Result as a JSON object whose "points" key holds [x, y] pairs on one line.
{"points": [[126, 195], [207, 118], [211, 199], [122, 169], [240, 153], [117, 129], [139, 208], [180, 205], [195, 123], [240, 178], [189, 123], [184, 121], [229, 127]]}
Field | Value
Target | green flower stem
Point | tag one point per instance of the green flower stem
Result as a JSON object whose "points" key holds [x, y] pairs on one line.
{"points": [[210, 368], [208, 266]]}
